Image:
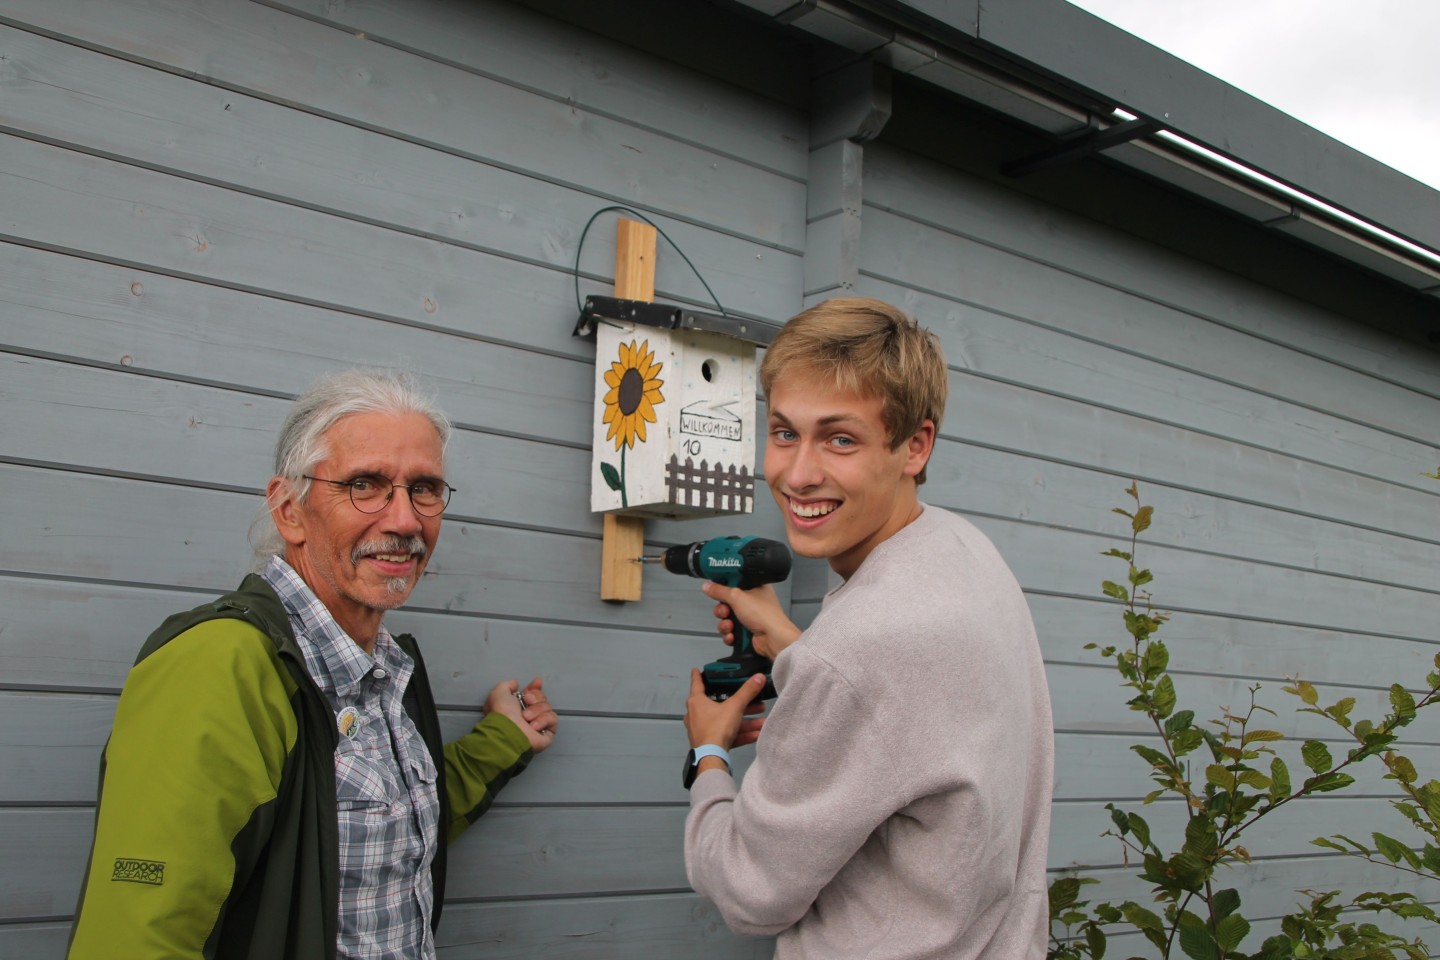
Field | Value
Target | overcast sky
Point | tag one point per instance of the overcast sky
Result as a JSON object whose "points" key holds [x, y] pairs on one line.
{"points": [[1366, 72]]}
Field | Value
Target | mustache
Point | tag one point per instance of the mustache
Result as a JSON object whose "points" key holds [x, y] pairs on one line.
{"points": [[411, 545]]}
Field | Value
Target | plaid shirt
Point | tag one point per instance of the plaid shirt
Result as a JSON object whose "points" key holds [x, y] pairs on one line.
{"points": [[385, 795]]}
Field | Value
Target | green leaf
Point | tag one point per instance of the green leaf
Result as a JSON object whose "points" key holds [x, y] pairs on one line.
{"points": [[612, 477], [1156, 659], [1137, 626], [1141, 520], [1328, 844], [1195, 940], [1138, 578], [1144, 921], [1401, 700], [1358, 846], [1395, 851], [1155, 757], [1261, 736], [1163, 699], [1431, 859], [1141, 829], [1430, 800], [1063, 894], [1200, 836], [1244, 803], [1279, 779], [1157, 871], [1328, 782], [1189, 870], [1278, 947], [1230, 931], [1221, 776], [1112, 552], [1224, 903], [1306, 692], [1095, 940], [1113, 589], [1408, 810], [1180, 721], [1403, 769], [1254, 778], [1340, 710], [1316, 756], [1186, 741]]}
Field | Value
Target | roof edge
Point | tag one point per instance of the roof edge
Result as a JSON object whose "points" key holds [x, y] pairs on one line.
{"points": [[1076, 49]]}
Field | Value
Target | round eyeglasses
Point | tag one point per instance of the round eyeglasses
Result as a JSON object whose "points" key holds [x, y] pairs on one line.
{"points": [[373, 494]]}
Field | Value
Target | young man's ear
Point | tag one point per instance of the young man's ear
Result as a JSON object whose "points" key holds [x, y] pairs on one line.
{"points": [[919, 447], [285, 511]]}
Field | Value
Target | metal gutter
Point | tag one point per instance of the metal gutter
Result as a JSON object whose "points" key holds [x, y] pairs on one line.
{"points": [[1061, 70]]}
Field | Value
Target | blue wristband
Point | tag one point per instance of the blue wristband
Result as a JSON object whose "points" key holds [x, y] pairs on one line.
{"points": [[711, 750], [696, 754]]}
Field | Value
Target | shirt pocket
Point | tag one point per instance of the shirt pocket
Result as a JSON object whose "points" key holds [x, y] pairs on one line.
{"points": [[364, 780], [422, 765]]}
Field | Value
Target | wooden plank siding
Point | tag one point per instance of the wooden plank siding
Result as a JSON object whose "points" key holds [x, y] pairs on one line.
{"points": [[206, 204], [1282, 449]]}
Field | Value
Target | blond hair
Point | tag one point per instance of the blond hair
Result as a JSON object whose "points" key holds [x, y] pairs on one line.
{"points": [[869, 348]]}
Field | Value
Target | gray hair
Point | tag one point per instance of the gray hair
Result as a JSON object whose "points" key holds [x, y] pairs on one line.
{"points": [[301, 444]]}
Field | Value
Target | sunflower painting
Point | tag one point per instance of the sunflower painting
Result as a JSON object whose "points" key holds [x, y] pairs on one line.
{"points": [[630, 404]]}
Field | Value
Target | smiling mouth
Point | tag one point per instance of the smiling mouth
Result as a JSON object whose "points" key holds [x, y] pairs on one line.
{"points": [[390, 550], [809, 511]]}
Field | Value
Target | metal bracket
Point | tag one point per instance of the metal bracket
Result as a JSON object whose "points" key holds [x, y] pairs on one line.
{"points": [[598, 309], [1092, 142]]}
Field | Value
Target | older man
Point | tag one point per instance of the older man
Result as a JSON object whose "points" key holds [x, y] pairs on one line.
{"points": [[275, 784]]}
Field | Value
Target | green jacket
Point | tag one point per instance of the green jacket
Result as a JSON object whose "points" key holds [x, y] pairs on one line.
{"points": [[215, 832]]}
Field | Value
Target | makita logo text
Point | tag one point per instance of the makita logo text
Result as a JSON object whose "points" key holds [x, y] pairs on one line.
{"points": [[139, 871], [726, 562]]}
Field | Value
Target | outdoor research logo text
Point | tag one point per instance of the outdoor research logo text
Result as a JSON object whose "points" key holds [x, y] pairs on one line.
{"points": [[139, 871]]}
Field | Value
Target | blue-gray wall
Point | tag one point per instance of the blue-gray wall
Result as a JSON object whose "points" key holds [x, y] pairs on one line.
{"points": [[205, 204]]}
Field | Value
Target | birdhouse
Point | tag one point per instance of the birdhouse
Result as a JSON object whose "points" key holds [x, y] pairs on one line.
{"points": [[674, 421]]}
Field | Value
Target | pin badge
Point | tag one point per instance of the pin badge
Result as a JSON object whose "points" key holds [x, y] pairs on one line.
{"points": [[348, 721]]}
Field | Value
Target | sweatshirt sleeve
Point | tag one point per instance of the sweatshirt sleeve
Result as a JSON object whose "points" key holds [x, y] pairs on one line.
{"points": [[477, 767], [822, 782], [201, 734]]}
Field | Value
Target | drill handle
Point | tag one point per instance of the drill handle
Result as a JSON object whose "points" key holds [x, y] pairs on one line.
{"points": [[767, 617], [744, 639], [724, 677]]}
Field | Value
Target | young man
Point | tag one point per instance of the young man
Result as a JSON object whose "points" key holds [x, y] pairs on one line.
{"points": [[899, 801], [275, 784]]}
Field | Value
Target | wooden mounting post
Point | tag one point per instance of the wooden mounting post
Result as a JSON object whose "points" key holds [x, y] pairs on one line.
{"points": [[625, 536]]}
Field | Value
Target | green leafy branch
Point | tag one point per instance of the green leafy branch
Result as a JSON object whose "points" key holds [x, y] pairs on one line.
{"points": [[1421, 803], [1319, 929], [1244, 780]]}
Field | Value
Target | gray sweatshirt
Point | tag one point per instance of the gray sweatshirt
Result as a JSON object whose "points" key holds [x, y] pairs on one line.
{"points": [[899, 801]]}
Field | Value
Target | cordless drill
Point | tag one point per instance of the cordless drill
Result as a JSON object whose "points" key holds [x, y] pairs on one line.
{"points": [[744, 562]]}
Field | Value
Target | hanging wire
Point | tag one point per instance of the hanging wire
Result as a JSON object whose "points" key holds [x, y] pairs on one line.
{"points": [[581, 307]]}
